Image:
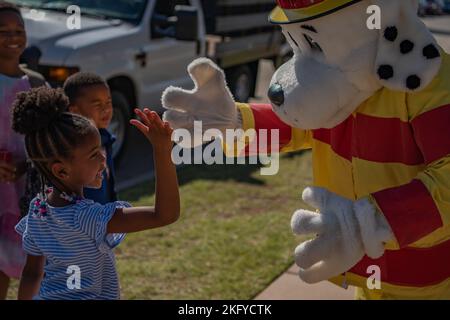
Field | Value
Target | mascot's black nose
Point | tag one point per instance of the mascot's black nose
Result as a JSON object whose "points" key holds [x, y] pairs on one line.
{"points": [[276, 94]]}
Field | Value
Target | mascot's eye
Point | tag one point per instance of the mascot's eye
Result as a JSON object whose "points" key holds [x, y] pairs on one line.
{"points": [[314, 45]]}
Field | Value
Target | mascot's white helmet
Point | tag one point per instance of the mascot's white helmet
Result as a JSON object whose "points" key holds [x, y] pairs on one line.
{"points": [[339, 62]]}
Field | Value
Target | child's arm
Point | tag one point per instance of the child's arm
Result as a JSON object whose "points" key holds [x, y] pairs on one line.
{"points": [[30, 281], [167, 199]]}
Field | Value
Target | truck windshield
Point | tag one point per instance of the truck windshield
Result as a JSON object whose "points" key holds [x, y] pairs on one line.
{"points": [[128, 10]]}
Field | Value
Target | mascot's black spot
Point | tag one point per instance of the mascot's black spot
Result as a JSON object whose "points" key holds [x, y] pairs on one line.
{"points": [[406, 46], [413, 82], [431, 52], [391, 33], [385, 72]]}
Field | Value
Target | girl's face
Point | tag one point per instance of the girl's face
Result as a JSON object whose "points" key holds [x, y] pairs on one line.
{"points": [[13, 38], [86, 166]]}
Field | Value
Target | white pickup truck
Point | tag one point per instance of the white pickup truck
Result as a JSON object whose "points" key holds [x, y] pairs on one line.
{"points": [[142, 46]]}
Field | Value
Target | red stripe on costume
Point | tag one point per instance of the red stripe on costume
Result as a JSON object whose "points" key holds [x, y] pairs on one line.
{"points": [[265, 118], [339, 138], [374, 139], [432, 132], [415, 267], [385, 140], [410, 211]]}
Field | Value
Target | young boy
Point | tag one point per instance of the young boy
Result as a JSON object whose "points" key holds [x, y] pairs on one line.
{"points": [[89, 96]]}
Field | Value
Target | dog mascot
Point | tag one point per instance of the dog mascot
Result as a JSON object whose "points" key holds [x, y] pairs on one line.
{"points": [[374, 107]]}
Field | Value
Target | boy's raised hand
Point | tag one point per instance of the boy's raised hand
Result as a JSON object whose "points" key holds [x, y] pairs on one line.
{"points": [[158, 132]]}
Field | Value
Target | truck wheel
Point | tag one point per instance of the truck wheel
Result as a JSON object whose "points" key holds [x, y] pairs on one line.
{"points": [[242, 82], [119, 123]]}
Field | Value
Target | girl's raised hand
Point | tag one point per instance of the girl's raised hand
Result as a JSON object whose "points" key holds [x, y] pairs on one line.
{"points": [[158, 132]]}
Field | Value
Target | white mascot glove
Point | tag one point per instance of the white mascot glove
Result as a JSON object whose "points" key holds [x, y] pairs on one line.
{"points": [[345, 232], [210, 102]]}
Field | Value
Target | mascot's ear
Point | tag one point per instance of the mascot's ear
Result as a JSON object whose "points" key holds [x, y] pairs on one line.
{"points": [[408, 56]]}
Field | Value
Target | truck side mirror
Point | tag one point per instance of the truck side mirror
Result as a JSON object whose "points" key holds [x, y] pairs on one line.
{"points": [[186, 27]]}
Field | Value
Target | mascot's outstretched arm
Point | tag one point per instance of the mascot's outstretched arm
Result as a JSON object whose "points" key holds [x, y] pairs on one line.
{"points": [[212, 103], [347, 230]]}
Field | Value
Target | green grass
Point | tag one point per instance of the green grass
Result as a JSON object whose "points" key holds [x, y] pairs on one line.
{"points": [[232, 240]]}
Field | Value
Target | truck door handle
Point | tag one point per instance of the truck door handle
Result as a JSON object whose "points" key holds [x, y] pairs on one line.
{"points": [[141, 57]]}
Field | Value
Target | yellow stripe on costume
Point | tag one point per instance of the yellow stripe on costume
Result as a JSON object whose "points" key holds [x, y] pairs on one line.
{"points": [[370, 177], [300, 140], [380, 105], [437, 180], [392, 292], [248, 121], [331, 171], [237, 147]]}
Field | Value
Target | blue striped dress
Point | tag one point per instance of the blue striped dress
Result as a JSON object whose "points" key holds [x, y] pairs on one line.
{"points": [[80, 263]]}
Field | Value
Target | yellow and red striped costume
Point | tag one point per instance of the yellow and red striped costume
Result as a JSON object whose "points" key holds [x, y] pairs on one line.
{"points": [[394, 148]]}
